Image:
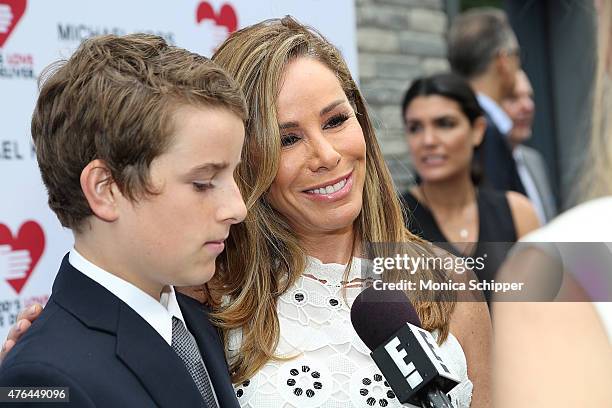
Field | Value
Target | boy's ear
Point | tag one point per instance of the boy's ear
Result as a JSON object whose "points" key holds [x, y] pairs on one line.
{"points": [[100, 190]]}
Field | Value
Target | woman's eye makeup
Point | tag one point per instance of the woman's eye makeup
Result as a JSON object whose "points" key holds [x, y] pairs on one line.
{"points": [[289, 139], [336, 120]]}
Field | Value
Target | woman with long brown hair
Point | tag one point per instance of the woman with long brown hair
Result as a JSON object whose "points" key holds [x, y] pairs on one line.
{"points": [[317, 190]]}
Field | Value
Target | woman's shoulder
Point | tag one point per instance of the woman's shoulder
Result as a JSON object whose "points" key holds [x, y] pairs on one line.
{"points": [[523, 212], [508, 200]]}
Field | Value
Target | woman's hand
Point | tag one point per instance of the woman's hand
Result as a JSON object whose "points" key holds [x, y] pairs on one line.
{"points": [[24, 321]]}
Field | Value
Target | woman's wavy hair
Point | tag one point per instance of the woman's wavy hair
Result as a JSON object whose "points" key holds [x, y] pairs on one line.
{"points": [[264, 256]]}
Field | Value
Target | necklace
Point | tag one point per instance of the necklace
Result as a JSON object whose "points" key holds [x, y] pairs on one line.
{"points": [[463, 231]]}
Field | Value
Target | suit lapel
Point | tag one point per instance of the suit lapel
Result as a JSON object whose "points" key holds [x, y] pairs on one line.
{"points": [[211, 349], [139, 346], [154, 362]]}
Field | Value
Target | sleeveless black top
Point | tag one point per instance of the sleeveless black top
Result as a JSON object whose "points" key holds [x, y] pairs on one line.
{"points": [[496, 231]]}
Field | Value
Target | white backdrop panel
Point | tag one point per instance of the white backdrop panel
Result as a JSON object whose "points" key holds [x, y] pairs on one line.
{"points": [[37, 32]]}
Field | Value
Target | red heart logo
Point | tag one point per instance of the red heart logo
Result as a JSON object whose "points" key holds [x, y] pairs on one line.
{"points": [[30, 238], [226, 17], [11, 12]]}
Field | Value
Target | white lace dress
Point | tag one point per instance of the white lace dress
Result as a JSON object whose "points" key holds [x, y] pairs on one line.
{"points": [[333, 368]]}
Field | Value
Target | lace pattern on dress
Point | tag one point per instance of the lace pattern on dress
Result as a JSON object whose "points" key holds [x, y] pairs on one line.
{"points": [[332, 367]]}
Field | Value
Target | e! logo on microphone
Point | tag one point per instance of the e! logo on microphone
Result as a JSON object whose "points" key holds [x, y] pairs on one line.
{"points": [[398, 355], [412, 364]]}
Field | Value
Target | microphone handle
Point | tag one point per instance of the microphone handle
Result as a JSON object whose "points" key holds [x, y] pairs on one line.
{"points": [[435, 398]]}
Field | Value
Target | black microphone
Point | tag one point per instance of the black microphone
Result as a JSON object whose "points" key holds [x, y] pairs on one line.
{"points": [[408, 356]]}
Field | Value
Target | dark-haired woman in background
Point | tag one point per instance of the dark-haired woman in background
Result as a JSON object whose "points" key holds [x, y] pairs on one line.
{"points": [[444, 125]]}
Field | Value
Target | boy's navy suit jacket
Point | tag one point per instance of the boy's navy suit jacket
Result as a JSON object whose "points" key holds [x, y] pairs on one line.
{"points": [[90, 341]]}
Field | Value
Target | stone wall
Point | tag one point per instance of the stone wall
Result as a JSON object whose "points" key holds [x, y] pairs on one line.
{"points": [[398, 40]]}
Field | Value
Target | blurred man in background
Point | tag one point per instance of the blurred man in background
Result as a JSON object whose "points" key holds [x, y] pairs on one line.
{"points": [[529, 162], [483, 49]]}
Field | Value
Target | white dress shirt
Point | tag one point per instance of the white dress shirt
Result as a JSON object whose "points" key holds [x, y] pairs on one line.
{"points": [[497, 114], [157, 313]]}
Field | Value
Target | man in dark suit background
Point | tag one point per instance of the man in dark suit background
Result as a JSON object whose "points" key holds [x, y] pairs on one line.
{"points": [[483, 49], [137, 142], [529, 162]]}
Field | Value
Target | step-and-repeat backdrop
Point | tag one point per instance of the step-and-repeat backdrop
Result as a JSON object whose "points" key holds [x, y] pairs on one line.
{"points": [[34, 33]]}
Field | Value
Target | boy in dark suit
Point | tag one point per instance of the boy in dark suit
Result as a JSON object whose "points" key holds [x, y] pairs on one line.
{"points": [[137, 142]]}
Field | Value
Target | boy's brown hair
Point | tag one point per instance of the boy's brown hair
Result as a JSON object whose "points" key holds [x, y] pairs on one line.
{"points": [[114, 100]]}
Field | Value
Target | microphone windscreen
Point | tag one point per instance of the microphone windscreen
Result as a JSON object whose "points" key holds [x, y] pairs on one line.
{"points": [[378, 314]]}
